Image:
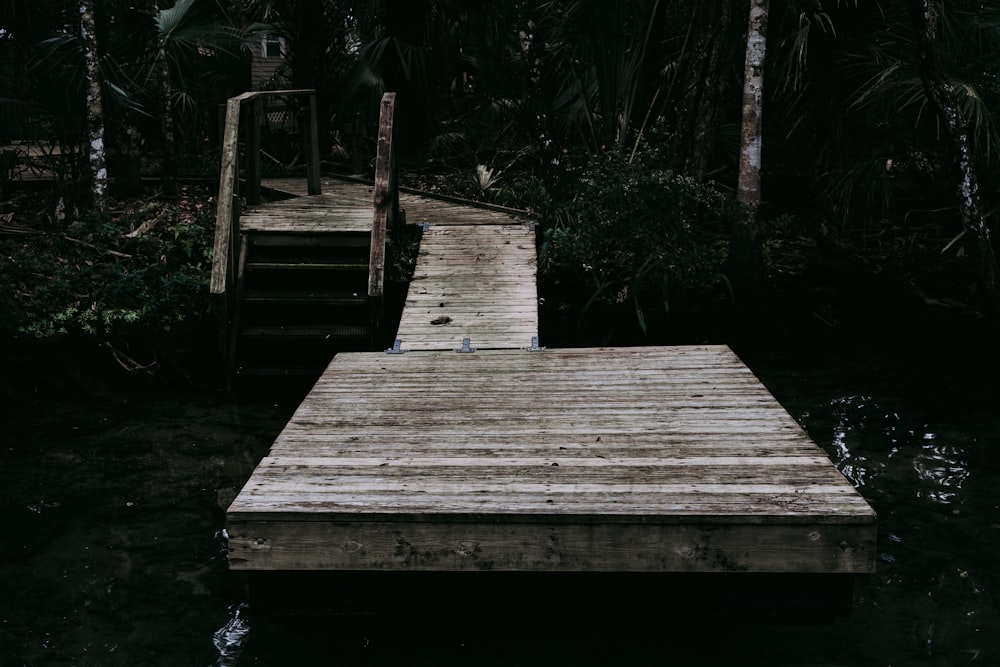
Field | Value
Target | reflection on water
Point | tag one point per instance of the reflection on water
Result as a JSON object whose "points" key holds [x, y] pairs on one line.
{"points": [[231, 638], [943, 470], [113, 512], [860, 425]]}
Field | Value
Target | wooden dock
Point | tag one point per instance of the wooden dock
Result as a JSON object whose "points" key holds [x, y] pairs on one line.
{"points": [[467, 447], [612, 459]]}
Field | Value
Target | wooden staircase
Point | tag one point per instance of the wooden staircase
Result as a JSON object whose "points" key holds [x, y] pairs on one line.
{"points": [[298, 280], [301, 298]]}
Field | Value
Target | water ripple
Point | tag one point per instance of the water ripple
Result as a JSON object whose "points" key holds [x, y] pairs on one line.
{"points": [[231, 638], [943, 470]]}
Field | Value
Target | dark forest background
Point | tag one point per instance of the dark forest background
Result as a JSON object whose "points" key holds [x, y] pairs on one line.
{"points": [[620, 124]]}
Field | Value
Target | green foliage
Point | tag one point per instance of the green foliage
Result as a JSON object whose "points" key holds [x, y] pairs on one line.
{"points": [[639, 236], [97, 281], [523, 191]]}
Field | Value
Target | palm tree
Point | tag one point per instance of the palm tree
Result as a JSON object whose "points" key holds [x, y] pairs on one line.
{"points": [[944, 98], [891, 99], [600, 57], [189, 35]]}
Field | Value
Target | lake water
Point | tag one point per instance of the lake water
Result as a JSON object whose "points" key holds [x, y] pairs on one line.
{"points": [[112, 507]]}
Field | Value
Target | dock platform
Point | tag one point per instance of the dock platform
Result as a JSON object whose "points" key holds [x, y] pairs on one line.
{"points": [[670, 459]]}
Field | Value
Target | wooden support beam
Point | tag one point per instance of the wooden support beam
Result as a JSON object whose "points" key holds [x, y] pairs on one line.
{"points": [[255, 113], [314, 183]]}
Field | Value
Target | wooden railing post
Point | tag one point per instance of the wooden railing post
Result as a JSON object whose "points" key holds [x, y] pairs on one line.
{"points": [[255, 115], [385, 193], [227, 191], [385, 205], [314, 183]]}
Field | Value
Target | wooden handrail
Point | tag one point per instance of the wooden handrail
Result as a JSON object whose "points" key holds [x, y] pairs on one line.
{"points": [[386, 194], [227, 212]]}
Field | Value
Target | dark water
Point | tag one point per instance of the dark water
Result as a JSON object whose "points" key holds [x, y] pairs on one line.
{"points": [[113, 552]]}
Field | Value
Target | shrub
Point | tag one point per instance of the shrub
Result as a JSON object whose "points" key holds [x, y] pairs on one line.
{"points": [[639, 237]]}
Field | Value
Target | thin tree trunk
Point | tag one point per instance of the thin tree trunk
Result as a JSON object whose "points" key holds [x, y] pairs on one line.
{"points": [[745, 262], [748, 184], [943, 97], [95, 108]]}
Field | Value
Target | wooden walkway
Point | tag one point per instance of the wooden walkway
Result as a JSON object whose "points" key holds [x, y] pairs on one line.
{"points": [[475, 272], [472, 282], [468, 447], [670, 459]]}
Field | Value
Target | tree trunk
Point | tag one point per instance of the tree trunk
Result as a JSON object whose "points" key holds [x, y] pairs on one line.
{"points": [[745, 263], [748, 184], [943, 97], [95, 108]]}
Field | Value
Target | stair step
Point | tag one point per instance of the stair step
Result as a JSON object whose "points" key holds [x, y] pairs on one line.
{"points": [[332, 240], [307, 297], [306, 332], [308, 266]]}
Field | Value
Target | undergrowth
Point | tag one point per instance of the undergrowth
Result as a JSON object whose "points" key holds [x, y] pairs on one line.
{"points": [[638, 240], [136, 274]]}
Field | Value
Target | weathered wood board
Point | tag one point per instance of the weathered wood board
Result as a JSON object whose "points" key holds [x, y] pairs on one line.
{"points": [[346, 191], [475, 282], [420, 208], [431, 210], [609, 459], [325, 213]]}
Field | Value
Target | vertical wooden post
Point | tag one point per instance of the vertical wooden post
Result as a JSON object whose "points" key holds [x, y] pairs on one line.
{"points": [[228, 177], [313, 182], [255, 114], [233, 318], [234, 235], [386, 195], [392, 216], [384, 182]]}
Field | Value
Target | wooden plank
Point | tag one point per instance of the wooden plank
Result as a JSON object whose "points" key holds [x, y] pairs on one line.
{"points": [[427, 210], [418, 546], [323, 213]]}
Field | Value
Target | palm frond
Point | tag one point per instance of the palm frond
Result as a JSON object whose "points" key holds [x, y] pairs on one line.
{"points": [[862, 191]]}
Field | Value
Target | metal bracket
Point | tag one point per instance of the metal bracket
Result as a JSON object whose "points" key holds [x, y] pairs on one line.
{"points": [[465, 346], [425, 226], [534, 345], [396, 348], [532, 224]]}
